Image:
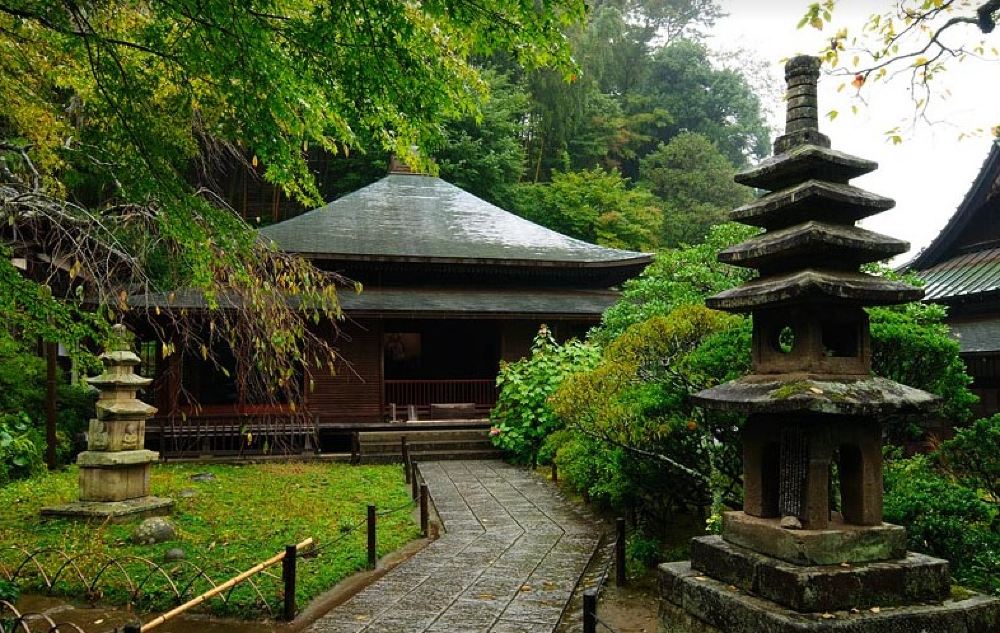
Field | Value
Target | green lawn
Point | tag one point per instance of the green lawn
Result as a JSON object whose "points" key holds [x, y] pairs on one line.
{"points": [[244, 516]]}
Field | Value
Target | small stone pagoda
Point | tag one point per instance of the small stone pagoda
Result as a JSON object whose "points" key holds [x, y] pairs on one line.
{"points": [[800, 556], [114, 470]]}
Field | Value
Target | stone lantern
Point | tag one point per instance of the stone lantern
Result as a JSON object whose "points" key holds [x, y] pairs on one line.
{"points": [[800, 557], [114, 470]]}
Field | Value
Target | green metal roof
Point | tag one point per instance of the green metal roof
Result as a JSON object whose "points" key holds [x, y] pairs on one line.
{"points": [[425, 218], [963, 276]]}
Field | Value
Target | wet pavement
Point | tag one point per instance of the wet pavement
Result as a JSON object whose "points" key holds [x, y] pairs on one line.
{"points": [[512, 554]]}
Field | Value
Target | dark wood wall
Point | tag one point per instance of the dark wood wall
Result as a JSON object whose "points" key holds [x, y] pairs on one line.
{"points": [[354, 392], [985, 372]]}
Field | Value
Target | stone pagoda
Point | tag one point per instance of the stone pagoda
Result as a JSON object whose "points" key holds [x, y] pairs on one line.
{"points": [[114, 470], [809, 551]]}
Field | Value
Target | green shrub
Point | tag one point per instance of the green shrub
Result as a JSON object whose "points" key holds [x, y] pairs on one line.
{"points": [[641, 553], [522, 417], [20, 455], [973, 456], [22, 395], [943, 518]]}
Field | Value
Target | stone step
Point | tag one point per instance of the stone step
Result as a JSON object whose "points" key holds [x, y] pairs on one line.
{"points": [[413, 435], [433, 456], [393, 448]]}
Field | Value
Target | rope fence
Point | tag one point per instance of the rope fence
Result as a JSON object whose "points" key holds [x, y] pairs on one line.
{"points": [[137, 583]]}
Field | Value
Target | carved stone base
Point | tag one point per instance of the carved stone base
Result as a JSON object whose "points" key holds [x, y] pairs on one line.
{"points": [[691, 602], [911, 580], [840, 543], [115, 511], [115, 476]]}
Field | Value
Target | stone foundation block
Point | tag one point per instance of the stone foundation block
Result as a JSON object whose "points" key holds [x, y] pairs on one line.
{"points": [[840, 543], [691, 602], [115, 511], [911, 580]]}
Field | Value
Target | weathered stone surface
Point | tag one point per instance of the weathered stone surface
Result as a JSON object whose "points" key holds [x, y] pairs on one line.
{"points": [[513, 552], [814, 244], [913, 579], [812, 200], [695, 603], [117, 483], [115, 511], [816, 285], [202, 477], [174, 554], [805, 162], [109, 459], [839, 544], [872, 396], [154, 530]]}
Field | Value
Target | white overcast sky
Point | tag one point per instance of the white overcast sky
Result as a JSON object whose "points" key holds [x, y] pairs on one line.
{"points": [[927, 174]]}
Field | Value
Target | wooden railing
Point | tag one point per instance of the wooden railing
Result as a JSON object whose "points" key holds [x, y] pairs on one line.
{"points": [[233, 434], [422, 393]]}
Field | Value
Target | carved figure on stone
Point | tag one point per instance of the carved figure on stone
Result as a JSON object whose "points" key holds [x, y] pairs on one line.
{"points": [[98, 438]]}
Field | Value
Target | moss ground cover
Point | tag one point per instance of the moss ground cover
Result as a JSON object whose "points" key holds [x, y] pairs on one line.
{"points": [[240, 516]]}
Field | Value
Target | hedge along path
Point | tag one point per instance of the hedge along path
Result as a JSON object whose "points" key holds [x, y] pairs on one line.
{"points": [[511, 556]]}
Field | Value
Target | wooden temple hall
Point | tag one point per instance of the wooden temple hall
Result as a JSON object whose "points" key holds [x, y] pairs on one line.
{"points": [[453, 285]]}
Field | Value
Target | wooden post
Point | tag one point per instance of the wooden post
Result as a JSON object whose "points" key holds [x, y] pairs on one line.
{"points": [[288, 575], [555, 472], [405, 451], [355, 448], [590, 611], [621, 570], [51, 349], [424, 518], [372, 537], [415, 490]]}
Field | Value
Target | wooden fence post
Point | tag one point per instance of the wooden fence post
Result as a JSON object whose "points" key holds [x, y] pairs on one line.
{"points": [[288, 575], [621, 575], [415, 489], [405, 450], [372, 538], [555, 472], [424, 518], [590, 611]]}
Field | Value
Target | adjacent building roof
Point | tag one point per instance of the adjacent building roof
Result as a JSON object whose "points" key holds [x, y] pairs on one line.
{"points": [[431, 302], [978, 336], [423, 218], [963, 276]]}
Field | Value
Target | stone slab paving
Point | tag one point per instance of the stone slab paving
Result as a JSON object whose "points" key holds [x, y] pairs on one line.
{"points": [[510, 558]]}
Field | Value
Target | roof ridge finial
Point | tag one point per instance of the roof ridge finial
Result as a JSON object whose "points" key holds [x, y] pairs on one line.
{"points": [[802, 117]]}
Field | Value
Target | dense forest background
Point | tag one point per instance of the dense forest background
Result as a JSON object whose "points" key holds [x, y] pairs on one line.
{"points": [[635, 150]]}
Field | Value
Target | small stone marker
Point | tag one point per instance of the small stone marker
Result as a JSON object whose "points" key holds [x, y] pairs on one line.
{"points": [[114, 470], [154, 530]]}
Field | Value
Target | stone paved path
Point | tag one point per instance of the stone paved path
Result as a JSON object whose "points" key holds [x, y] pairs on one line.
{"points": [[512, 554]]}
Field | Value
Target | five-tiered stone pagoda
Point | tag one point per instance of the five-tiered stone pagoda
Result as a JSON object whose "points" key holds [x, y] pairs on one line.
{"points": [[797, 558]]}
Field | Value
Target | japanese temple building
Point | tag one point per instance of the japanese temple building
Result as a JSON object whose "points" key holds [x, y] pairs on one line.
{"points": [[962, 270], [452, 285]]}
